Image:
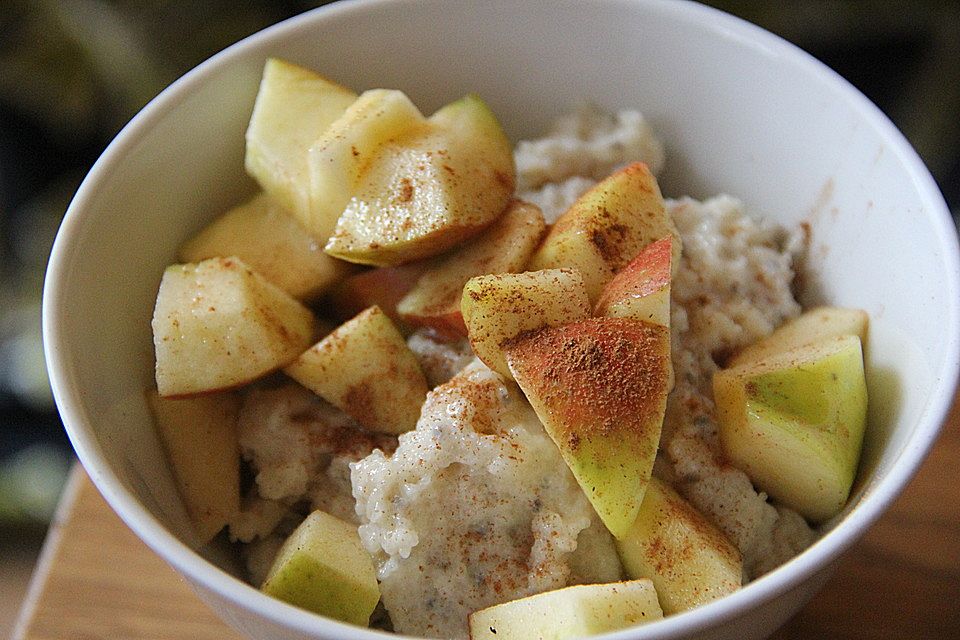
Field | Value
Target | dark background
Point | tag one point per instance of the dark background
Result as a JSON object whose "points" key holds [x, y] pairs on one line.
{"points": [[73, 72]]}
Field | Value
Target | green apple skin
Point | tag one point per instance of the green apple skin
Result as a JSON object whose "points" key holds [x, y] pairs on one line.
{"points": [[322, 567], [794, 422], [688, 559], [571, 612]]}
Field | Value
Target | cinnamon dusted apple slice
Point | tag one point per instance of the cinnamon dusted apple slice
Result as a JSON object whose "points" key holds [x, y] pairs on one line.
{"points": [[689, 560], [271, 241], [607, 226], [294, 107], [499, 308], [503, 248], [366, 369], [339, 160], [428, 190], [642, 289], [599, 386], [218, 324]]}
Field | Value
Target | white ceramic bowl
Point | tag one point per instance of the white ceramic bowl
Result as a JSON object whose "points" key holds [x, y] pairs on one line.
{"points": [[740, 111]]}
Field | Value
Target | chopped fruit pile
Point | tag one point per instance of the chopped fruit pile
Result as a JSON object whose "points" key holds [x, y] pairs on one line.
{"points": [[577, 313]]}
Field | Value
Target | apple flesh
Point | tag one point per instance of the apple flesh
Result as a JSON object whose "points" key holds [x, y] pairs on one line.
{"points": [[688, 559], [322, 567], [499, 308], [571, 612], [607, 226], [505, 247], [642, 289], [294, 107], [428, 190], [199, 437], [365, 368], [218, 324], [599, 386], [794, 422], [271, 241], [342, 155], [812, 325]]}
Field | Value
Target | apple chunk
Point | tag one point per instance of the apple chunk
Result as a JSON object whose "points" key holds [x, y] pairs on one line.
{"points": [[341, 157], [199, 436], [794, 422], [812, 325], [218, 324], [571, 612], [294, 107], [365, 368], [271, 241], [688, 559], [323, 567], [428, 190], [607, 226], [599, 386], [504, 247], [499, 308], [384, 287], [642, 289]]}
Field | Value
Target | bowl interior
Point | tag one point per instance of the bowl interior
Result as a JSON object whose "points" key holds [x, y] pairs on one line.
{"points": [[740, 112]]}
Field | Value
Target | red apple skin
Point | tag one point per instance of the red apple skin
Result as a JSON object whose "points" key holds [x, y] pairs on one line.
{"points": [[648, 273], [383, 287]]}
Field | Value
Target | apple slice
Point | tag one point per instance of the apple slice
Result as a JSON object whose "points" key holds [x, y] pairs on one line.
{"points": [[505, 247], [384, 287], [342, 156], [794, 422], [323, 567], [429, 190], [572, 612], [294, 107], [599, 386], [499, 308], [688, 559], [271, 241], [366, 369], [812, 325], [607, 226], [199, 436], [642, 289], [218, 325]]}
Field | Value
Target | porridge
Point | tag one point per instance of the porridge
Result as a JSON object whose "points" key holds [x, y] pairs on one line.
{"points": [[487, 496]]}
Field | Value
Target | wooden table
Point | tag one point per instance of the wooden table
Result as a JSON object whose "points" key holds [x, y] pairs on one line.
{"points": [[97, 581]]}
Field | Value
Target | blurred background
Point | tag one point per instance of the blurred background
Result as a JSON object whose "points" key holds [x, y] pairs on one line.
{"points": [[72, 72]]}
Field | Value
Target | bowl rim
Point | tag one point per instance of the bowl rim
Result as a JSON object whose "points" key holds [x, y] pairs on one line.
{"points": [[204, 574]]}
